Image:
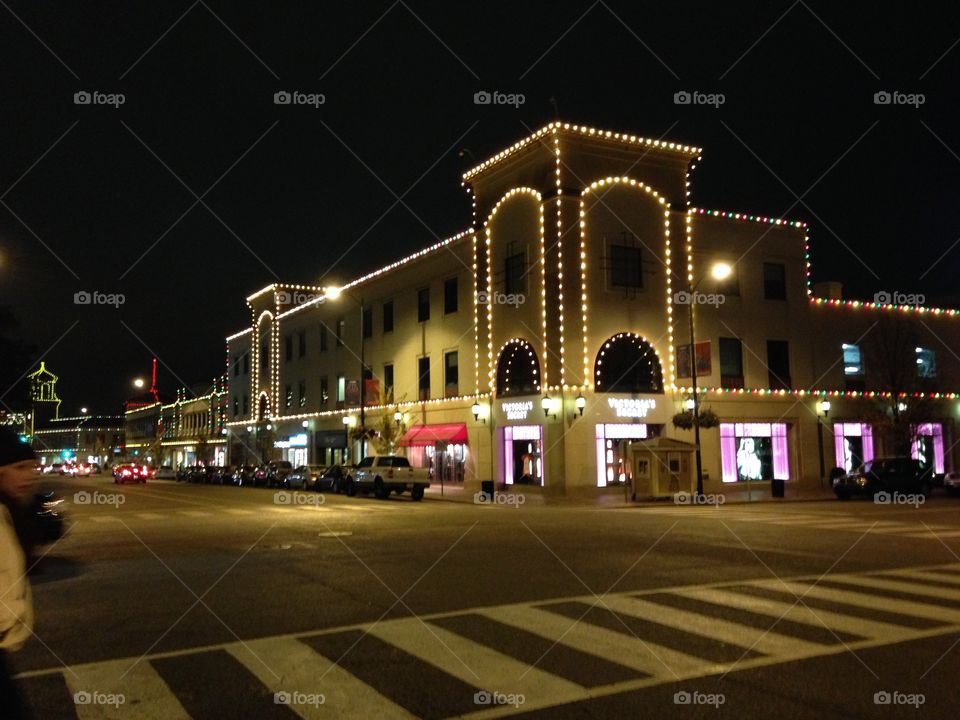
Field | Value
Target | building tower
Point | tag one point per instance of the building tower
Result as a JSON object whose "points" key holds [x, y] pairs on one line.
{"points": [[44, 403]]}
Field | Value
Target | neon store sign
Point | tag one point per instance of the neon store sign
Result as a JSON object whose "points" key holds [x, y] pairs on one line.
{"points": [[293, 441], [632, 407], [517, 410]]}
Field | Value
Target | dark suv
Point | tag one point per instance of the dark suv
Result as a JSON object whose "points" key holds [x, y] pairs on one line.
{"points": [[277, 473], [894, 474]]}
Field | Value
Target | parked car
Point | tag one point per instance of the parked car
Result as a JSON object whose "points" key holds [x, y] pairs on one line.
{"points": [[261, 476], [951, 483], [223, 475], [165, 472], [243, 474], [384, 474], [278, 473], [183, 474], [333, 479], [894, 474], [304, 476], [198, 474], [128, 472]]}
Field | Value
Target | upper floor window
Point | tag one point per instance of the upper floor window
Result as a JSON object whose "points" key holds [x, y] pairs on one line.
{"points": [[288, 396], [778, 364], [341, 329], [388, 382], [451, 374], [423, 304], [774, 281], [626, 266], [366, 318], [423, 378], [388, 316], [288, 348], [246, 363], [731, 363], [302, 393], [450, 295], [926, 363], [324, 390], [323, 337], [852, 360], [515, 274], [264, 356], [236, 366]]}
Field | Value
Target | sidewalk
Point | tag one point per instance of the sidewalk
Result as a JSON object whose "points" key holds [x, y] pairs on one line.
{"points": [[466, 493]]}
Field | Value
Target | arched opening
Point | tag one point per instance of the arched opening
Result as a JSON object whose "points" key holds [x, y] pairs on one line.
{"points": [[518, 370], [627, 363], [262, 407]]}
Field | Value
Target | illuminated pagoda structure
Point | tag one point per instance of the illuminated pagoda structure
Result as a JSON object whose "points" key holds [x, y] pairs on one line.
{"points": [[44, 402], [548, 344]]}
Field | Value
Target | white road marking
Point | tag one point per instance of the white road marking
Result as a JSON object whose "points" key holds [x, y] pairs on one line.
{"points": [[140, 691]]}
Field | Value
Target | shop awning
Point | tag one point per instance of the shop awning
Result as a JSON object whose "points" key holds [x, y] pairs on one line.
{"points": [[430, 435]]}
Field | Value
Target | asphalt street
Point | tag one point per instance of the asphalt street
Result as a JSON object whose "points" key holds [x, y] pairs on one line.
{"points": [[169, 600]]}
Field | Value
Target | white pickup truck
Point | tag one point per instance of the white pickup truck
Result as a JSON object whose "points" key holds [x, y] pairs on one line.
{"points": [[384, 474]]}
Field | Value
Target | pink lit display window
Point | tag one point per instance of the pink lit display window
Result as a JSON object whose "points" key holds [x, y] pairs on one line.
{"points": [[853, 443], [754, 451], [927, 446]]}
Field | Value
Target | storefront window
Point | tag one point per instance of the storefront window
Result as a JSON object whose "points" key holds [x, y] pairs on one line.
{"points": [[523, 455], [853, 444], [927, 446], [613, 451], [754, 451]]}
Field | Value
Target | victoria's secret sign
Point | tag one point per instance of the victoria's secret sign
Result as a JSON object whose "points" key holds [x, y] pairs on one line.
{"points": [[632, 407], [517, 410]]}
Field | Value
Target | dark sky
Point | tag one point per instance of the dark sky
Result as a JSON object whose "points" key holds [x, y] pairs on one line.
{"points": [[303, 185]]}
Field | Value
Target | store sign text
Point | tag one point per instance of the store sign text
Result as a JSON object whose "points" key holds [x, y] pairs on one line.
{"points": [[293, 441], [632, 407], [517, 410]]}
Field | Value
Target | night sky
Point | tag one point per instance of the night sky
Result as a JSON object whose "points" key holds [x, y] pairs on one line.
{"points": [[107, 198]]}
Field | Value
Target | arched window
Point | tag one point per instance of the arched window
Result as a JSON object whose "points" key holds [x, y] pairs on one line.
{"points": [[262, 407], [518, 370], [627, 363]]}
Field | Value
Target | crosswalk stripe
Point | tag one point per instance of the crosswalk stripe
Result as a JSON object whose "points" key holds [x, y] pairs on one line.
{"points": [[815, 617], [640, 655], [768, 643], [874, 581], [474, 663], [302, 669], [927, 576], [142, 689], [903, 607]]}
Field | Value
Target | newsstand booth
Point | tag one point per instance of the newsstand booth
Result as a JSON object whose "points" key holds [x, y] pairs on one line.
{"points": [[662, 467]]}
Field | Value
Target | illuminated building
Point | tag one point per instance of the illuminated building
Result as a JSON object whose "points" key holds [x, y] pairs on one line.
{"points": [[537, 345]]}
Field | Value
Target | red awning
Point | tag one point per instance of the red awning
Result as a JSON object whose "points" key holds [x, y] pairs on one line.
{"points": [[430, 435]]}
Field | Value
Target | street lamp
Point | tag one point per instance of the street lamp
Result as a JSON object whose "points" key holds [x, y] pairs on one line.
{"points": [[333, 293], [719, 271], [83, 411], [823, 408]]}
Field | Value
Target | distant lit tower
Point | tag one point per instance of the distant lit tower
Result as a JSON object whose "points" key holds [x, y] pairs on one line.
{"points": [[148, 397], [44, 403]]}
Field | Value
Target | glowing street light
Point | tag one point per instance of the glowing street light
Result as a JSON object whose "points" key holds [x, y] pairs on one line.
{"points": [[138, 383]]}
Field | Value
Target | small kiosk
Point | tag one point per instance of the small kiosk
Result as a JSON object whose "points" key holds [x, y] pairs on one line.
{"points": [[662, 467]]}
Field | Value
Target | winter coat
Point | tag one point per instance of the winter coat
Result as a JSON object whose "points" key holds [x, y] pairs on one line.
{"points": [[16, 603]]}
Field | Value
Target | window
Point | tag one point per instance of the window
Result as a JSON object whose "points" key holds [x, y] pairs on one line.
{"points": [[288, 348], [264, 356], [731, 363], [388, 316], [341, 388], [626, 266], [514, 271], [324, 390], [302, 393], [367, 319], [778, 364], [341, 329], [323, 337], [302, 344], [451, 374], [236, 406], [450, 296], [754, 451], [246, 363], [774, 281], [926, 363], [236, 366], [288, 396], [423, 378], [246, 405], [388, 382], [852, 360], [423, 305]]}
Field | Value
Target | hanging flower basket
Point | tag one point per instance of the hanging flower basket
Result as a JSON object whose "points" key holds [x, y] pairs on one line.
{"points": [[684, 420]]}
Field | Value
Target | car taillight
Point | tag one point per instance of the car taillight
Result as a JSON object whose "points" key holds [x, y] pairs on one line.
{"points": [[126, 473]]}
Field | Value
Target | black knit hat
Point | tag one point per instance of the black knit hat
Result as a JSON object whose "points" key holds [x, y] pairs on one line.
{"points": [[12, 448]]}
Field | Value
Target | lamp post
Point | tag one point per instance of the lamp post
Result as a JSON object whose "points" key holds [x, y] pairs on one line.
{"points": [[823, 408], [333, 293], [719, 271]]}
